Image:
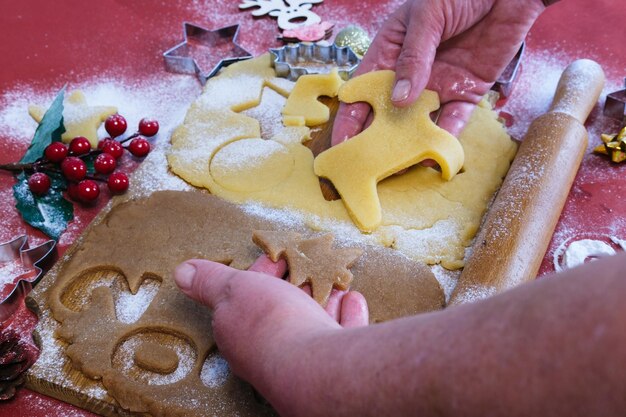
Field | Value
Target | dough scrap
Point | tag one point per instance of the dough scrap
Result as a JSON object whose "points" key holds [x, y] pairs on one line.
{"points": [[145, 239], [313, 261], [302, 107], [156, 358], [424, 216], [397, 139], [79, 118]]}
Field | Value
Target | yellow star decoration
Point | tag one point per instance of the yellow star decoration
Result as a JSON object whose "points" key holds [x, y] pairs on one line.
{"points": [[613, 145], [79, 118], [312, 261]]}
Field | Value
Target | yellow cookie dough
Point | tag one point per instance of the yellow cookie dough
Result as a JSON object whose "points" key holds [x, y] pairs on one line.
{"points": [[424, 216], [397, 139], [302, 107], [79, 118]]}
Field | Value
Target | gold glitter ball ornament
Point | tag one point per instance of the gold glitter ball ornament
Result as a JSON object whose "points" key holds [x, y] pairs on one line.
{"points": [[354, 37]]}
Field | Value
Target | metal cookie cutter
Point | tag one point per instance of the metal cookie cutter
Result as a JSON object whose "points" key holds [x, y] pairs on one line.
{"points": [[504, 83], [615, 105], [292, 61], [35, 260], [198, 53]]}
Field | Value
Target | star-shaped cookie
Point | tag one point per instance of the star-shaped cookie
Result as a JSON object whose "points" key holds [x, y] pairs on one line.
{"points": [[79, 118], [312, 261]]}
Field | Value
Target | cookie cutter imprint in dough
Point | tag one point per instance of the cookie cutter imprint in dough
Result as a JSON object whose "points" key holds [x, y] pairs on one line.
{"points": [[214, 125], [36, 260], [294, 60], [180, 57], [122, 352]]}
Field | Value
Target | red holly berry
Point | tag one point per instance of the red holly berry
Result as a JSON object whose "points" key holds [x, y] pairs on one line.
{"points": [[73, 168], [80, 146], [115, 125], [103, 142], [113, 148], [104, 164], [139, 147], [87, 191], [39, 183], [148, 127], [55, 152], [118, 182]]}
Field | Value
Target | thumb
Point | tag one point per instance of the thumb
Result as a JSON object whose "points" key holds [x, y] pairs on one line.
{"points": [[424, 29], [205, 281]]}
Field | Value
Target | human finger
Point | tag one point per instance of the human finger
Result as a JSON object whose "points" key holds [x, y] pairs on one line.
{"points": [[349, 121], [354, 310], [204, 281], [333, 306], [265, 265], [382, 54], [454, 116], [413, 67]]}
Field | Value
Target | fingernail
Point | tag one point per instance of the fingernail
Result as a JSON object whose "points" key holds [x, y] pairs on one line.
{"points": [[401, 90], [184, 275]]}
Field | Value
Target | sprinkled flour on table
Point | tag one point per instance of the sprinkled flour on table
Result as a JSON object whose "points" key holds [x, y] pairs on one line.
{"points": [[9, 271], [165, 98]]}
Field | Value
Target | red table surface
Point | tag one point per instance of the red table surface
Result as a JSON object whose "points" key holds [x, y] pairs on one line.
{"points": [[47, 44]]}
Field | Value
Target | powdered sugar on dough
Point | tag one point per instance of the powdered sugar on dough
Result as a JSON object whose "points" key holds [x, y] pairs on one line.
{"points": [[426, 218]]}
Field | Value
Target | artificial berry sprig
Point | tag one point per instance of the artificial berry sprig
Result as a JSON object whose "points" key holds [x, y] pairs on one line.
{"points": [[71, 161]]}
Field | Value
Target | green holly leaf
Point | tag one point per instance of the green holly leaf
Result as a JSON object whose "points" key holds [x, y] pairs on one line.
{"points": [[90, 160], [49, 130], [49, 213]]}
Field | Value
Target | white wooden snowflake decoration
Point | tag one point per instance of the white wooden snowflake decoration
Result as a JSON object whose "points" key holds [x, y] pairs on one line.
{"points": [[290, 13]]}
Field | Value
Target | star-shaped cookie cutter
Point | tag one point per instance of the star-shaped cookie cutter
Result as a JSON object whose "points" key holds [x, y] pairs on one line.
{"points": [[35, 262], [615, 105], [293, 60], [181, 57]]}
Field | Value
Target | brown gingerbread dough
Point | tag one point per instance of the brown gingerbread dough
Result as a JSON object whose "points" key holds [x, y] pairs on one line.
{"points": [[313, 261], [144, 240], [156, 358]]}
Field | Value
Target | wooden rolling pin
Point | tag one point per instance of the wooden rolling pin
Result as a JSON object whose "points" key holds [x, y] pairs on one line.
{"points": [[519, 225]]}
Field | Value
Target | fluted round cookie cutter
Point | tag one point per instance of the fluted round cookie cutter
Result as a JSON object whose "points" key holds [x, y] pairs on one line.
{"points": [[293, 60]]}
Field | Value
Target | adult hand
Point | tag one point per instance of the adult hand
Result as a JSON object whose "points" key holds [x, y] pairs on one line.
{"points": [[560, 338], [258, 320], [457, 48]]}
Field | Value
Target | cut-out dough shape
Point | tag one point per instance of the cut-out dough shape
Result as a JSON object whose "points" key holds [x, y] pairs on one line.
{"points": [[397, 139], [149, 237], [79, 118], [425, 217], [153, 357], [312, 261], [303, 107], [210, 125]]}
